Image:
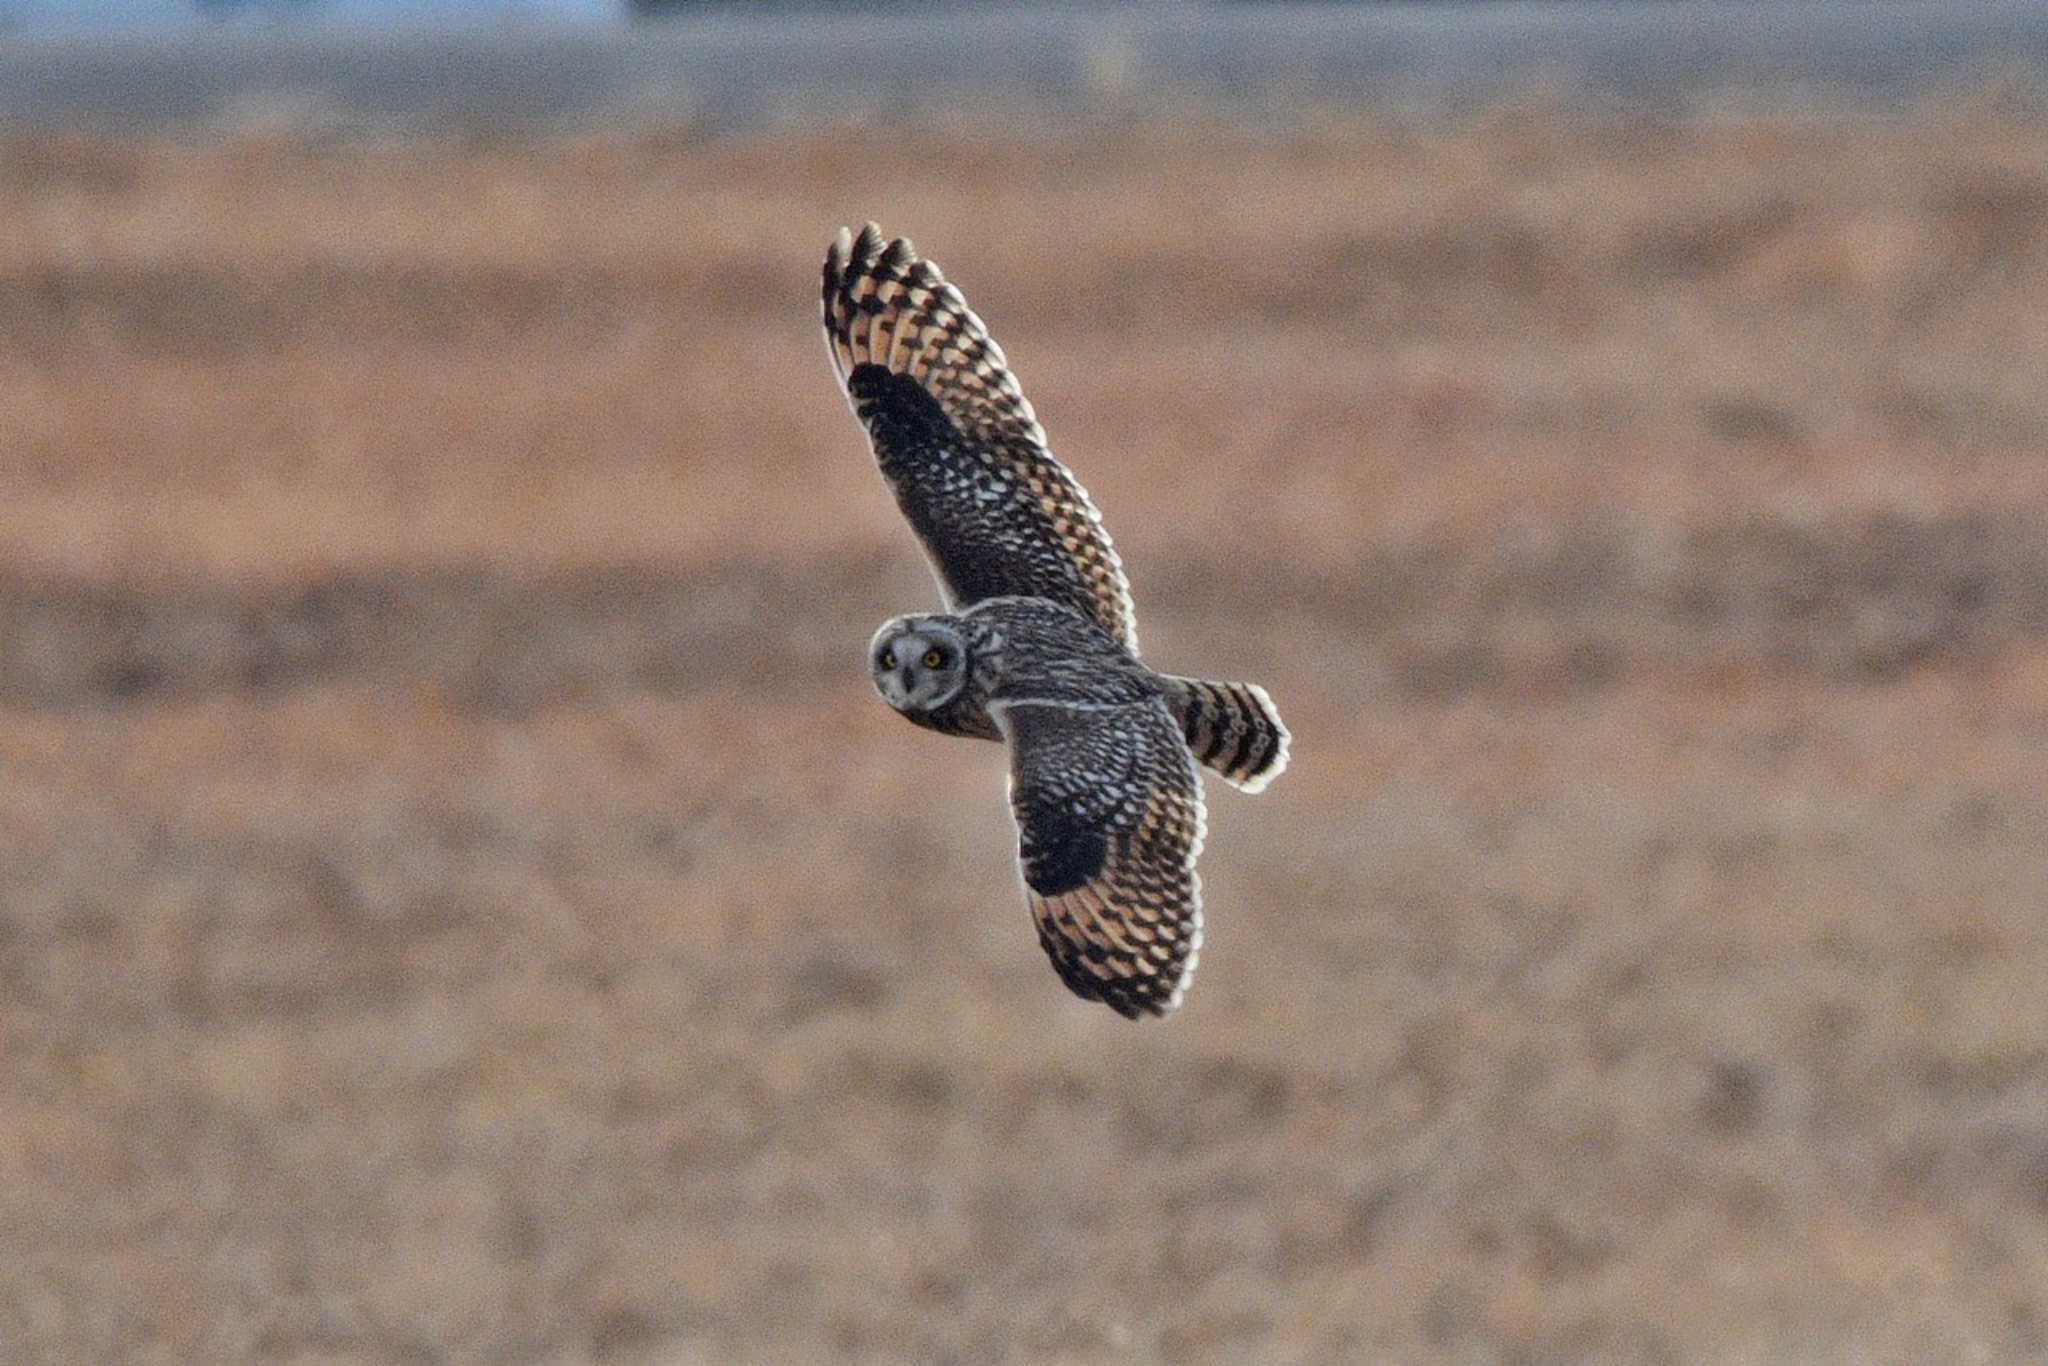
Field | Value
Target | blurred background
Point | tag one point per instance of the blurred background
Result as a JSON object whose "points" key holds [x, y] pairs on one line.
{"points": [[460, 900]]}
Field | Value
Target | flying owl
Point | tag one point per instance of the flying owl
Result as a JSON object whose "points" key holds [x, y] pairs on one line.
{"points": [[1038, 648]]}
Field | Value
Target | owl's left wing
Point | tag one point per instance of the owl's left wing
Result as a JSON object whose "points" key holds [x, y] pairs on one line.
{"points": [[1109, 823], [957, 441]]}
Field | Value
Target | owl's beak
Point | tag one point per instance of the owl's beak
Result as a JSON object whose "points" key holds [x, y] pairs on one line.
{"points": [[894, 687]]}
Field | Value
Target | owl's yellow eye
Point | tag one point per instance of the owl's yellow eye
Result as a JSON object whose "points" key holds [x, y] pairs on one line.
{"points": [[933, 659], [888, 659]]}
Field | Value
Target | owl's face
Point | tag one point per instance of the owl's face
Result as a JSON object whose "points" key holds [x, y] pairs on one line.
{"points": [[919, 664]]}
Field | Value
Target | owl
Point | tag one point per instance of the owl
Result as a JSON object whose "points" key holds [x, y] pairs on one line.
{"points": [[1038, 648]]}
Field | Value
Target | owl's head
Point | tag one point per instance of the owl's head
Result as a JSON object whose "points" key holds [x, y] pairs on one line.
{"points": [[919, 663]]}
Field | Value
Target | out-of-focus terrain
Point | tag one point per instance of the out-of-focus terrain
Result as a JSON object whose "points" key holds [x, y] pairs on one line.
{"points": [[460, 900], [390, 67]]}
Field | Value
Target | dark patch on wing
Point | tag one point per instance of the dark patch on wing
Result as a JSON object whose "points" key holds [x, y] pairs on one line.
{"points": [[1059, 852], [899, 414]]}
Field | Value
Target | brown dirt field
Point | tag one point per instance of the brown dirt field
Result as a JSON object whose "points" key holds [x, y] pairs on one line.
{"points": [[460, 900]]}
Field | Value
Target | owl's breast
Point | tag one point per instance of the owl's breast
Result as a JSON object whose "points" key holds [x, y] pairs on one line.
{"points": [[962, 716]]}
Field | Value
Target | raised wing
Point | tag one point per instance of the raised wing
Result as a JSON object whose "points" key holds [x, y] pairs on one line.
{"points": [[957, 441], [1109, 823]]}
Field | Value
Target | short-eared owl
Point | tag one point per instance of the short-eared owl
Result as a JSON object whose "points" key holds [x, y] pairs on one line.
{"points": [[1038, 648]]}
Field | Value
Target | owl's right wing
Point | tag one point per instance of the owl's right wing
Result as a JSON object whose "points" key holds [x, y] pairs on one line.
{"points": [[1109, 823], [957, 441]]}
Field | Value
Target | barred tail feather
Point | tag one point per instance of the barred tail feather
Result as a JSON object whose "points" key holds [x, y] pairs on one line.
{"points": [[1234, 729]]}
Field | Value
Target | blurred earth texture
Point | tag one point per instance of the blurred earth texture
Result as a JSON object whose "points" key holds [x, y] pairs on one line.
{"points": [[460, 900]]}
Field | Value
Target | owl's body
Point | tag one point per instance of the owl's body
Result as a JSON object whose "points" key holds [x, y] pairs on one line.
{"points": [[1040, 649], [1034, 647], [1102, 784]]}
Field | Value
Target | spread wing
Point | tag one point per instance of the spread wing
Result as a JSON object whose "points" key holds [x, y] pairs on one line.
{"points": [[1109, 822], [957, 441]]}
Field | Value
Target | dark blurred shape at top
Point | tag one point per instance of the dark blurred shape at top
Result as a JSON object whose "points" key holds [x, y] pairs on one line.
{"points": [[649, 9], [282, 8]]}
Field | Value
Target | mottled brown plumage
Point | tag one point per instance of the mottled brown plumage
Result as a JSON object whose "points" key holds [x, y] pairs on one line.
{"points": [[1110, 820], [957, 441], [1040, 650], [1103, 787]]}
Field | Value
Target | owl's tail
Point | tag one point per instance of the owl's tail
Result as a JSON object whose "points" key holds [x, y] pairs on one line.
{"points": [[1235, 729]]}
